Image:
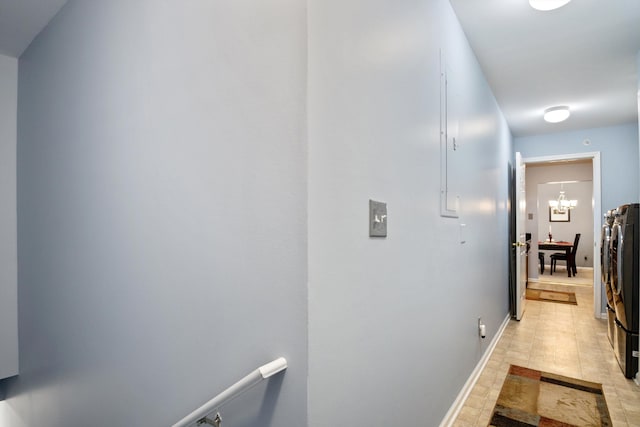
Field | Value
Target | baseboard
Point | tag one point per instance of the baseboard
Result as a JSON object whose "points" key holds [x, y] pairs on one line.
{"points": [[453, 412]]}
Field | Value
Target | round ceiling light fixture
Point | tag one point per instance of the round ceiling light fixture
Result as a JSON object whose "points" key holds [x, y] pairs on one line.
{"points": [[556, 114], [547, 4]]}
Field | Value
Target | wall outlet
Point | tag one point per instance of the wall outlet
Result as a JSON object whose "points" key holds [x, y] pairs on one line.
{"points": [[482, 328]]}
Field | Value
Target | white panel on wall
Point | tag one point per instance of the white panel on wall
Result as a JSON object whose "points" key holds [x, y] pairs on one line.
{"points": [[451, 174]]}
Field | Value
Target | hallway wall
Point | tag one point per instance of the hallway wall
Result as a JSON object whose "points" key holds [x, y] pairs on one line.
{"points": [[165, 181], [162, 213], [618, 146], [393, 321], [8, 238]]}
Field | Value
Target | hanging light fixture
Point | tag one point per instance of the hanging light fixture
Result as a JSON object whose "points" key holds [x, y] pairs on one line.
{"points": [[562, 204], [546, 5]]}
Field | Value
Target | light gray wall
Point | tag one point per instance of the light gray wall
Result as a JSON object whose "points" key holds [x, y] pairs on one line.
{"points": [[8, 240], [618, 146], [393, 322], [162, 200], [162, 213], [537, 174]]}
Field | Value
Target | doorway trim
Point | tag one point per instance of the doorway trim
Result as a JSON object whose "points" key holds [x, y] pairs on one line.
{"points": [[597, 215]]}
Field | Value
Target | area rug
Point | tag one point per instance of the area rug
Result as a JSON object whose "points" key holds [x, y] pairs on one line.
{"points": [[552, 296], [534, 398]]}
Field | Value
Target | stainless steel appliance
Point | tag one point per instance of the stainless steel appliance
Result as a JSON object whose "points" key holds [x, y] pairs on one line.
{"points": [[605, 267], [625, 286]]}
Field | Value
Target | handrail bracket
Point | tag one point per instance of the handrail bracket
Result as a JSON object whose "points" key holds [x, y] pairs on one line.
{"points": [[216, 422]]}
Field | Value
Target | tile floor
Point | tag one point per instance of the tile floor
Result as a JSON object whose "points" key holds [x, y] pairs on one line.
{"points": [[560, 338]]}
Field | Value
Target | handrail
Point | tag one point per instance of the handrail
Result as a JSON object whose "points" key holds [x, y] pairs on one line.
{"points": [[263, 372]]}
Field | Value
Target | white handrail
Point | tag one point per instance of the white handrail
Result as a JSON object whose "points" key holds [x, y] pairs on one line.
{"points": [[263, 372]]}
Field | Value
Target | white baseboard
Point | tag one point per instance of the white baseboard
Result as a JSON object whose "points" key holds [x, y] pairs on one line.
{"points": [[453, 412]]}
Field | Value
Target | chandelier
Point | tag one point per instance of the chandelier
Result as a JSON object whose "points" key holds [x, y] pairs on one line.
{"points": [[562, 204]]}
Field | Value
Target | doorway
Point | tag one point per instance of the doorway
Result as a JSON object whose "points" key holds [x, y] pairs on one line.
{"points": [[566, 159]]}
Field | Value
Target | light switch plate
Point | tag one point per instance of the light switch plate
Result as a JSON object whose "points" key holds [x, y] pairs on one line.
{"points": [[377, 219]]}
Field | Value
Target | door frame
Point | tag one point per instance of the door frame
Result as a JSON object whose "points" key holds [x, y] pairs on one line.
{"points": [[597, 214], [519, 243]]}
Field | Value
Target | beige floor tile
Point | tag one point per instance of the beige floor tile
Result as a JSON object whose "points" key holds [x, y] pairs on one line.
{"points": [[560, 338], [493, 394], [484, 417], [633, 419], [619, 422], [463, 423], [469, 415], [475, 402]]}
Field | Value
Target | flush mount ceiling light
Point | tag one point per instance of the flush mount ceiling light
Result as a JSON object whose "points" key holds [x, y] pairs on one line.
{"points": [[547, 4], [556, 114]]}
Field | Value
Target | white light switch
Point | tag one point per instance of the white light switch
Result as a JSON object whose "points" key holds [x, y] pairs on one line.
{"points": [[377, 219]]}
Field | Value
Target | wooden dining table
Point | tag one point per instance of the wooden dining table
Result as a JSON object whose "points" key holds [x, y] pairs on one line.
{"points": [[559, 247]]}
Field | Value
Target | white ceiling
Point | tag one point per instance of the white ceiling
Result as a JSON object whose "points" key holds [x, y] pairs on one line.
{"points": [[22, 20], [582, 55]]}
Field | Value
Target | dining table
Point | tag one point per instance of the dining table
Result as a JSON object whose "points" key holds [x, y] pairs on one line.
{"points": [[560, 246]]}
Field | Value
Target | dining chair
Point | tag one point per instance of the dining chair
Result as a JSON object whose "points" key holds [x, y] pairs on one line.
{"points": [[541, 259], [562, 256]]}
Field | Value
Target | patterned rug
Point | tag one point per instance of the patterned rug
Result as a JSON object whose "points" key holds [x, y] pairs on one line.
{"points": [[552, 296], [533, 398]]}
